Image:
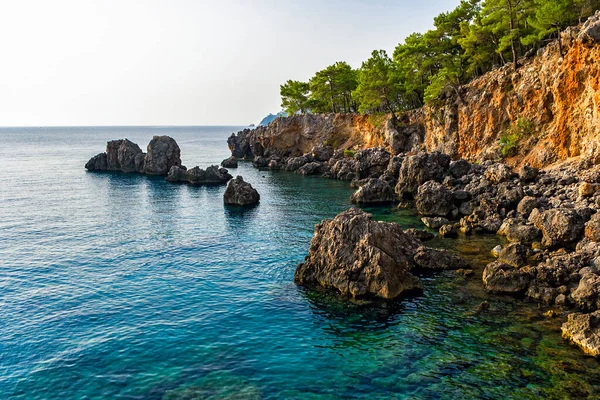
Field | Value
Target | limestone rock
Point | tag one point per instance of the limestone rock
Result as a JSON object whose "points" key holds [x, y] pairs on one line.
{"points": [[434, 222], [527, 204], [498, 173], [371, 163], [559, 226], [374, 191], [528, 174], [502, 278], [592, 228], [241, 193], [418, 169], [430, 259], [359, 257], [434, 199], [230, 162], [163, 153], [312, 168], [514, 255], [212, 175], [590, 32], [584, 331], [97, 163]]}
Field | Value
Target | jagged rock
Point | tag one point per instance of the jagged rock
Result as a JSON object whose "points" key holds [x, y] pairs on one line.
{"points": [[312, 168], [322, 153], [434, 199], [177, 174], [420, 234], [459, 168], [345, 169], [514, 255], [418, 169], [584, 331], [274, 165], [587, 189], [230, 162], [163, 153], [590, 32], [527, 204], [260, 162], [496, 251], [97, 163], [528, 174], [434, 223], [295, 163], [360, 257], [502, 278], [448, 231], [509, 196], [374, 191], [394, 166], [241, 193], [559, 226], [197, 176], [371, 163], [587, 294], [525, 234], [430, 259], [498, 173], [592, 228]]}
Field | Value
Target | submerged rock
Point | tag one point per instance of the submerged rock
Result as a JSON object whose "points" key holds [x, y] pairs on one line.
{"points": [[240, 193], [584, 331]]}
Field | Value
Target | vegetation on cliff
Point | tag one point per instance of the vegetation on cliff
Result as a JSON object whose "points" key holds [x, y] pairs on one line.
{"points": [[467, 42]]}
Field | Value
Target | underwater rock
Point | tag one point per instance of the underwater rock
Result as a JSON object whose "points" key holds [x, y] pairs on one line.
{"points": [[241, 193], [584, 331]]}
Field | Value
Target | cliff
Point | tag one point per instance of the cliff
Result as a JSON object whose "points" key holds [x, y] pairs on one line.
{"points": [[545, 112], [550, 106]]}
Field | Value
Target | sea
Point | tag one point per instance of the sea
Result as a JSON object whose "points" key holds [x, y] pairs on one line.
{"points": [[122, 286]]}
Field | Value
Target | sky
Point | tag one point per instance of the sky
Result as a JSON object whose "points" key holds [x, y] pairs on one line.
{"points": [[182, 62]]}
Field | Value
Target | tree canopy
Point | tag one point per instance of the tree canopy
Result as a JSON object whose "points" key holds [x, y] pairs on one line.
{"points": [[465, 43]]}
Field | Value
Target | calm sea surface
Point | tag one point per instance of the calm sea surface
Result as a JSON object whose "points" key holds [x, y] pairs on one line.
{"points": [[117, 286]]}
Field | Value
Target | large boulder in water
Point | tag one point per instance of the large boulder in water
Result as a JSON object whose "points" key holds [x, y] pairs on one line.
{"points": [[240, 193], [121, 155], [584, 331], [163, 153], [230, 162], [360, 257]]}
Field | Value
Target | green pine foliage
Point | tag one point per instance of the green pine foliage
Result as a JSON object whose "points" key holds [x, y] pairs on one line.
{"points": [[465, 43]]}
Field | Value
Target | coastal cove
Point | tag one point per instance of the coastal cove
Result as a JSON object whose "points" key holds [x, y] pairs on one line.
{"points": [[126, 286]]}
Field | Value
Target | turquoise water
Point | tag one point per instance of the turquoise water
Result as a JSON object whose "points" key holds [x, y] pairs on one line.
{"points": [[127, 287]]}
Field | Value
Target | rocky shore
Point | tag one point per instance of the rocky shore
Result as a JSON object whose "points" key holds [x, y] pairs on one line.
{"points": [[549, 217]]}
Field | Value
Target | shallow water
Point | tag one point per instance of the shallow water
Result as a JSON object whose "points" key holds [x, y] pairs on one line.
{"points": [[124, 286]]}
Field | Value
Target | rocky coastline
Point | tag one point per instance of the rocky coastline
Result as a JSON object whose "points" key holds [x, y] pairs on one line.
{"points": [[549, 218]]}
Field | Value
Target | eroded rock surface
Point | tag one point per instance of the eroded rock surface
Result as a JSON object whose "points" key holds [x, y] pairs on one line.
{"points": [[241, 193], [584, 331]]}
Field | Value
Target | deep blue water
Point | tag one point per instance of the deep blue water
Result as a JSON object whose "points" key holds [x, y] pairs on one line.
{"points": [[127, 287]]}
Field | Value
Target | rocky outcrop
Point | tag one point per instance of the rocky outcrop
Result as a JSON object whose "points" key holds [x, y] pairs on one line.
{"points": [[418, 169], [121, 155], [212, 175], [230, 162], [584, 331], [125, 156], [559, 226], [240, 193], [358, 257], [163, 153], [434, 200]]}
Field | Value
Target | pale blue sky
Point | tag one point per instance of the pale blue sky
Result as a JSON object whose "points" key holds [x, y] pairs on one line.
{"points": [[181, 62]]}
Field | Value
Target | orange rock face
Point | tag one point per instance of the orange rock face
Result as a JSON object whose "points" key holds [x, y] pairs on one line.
{"points": [[559, 99]]}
